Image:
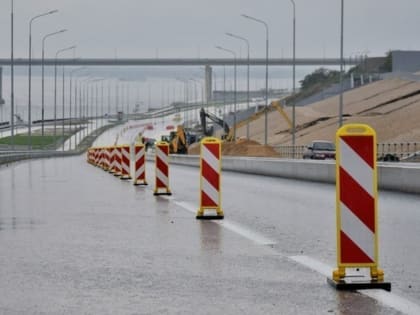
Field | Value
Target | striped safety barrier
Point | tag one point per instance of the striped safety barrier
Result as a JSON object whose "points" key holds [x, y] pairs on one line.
{"points": [[117, 161], [210, 174], [162, 169], [112, 159], [89, 156], [97, 156], [125, 162], [357, 221], [139, 165], [102, 158], [108, 153]]}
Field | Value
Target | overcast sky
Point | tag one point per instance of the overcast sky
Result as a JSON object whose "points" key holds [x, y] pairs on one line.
{"points": [[191, 28]]}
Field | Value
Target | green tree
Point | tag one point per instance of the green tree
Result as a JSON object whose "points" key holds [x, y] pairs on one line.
{"points": [[319, 76], [387, 66]]}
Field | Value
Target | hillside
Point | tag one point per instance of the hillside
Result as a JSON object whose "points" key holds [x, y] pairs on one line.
{"points": [[391, 107]]}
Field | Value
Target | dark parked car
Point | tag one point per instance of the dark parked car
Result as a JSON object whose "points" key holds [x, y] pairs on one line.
{"points": [[320, 150]]}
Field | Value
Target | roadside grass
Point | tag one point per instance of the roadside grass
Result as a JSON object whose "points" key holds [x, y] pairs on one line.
{"points": [[38, 141]]}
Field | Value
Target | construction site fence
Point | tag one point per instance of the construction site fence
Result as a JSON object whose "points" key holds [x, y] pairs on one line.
{"points": [[404, 151]]}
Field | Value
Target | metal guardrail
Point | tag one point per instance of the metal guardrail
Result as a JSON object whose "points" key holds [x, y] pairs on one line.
{"points": [[8, 156], [407, 151], [404, 151], [13, 156]]}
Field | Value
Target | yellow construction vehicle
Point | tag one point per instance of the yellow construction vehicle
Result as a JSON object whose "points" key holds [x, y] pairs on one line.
{"points": [[273, 105], [178, 141], [209, 131]]}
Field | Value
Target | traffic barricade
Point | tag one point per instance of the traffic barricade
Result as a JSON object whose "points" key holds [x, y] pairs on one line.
{"points": [[89, 156], [162, 169], [125, 162], [112, 159], [139, 165], [357, 209], [117, 161], [210, 174], [108, 153], [97, 156]]}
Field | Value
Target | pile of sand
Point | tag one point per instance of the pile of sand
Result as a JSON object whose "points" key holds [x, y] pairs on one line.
{"points": [[240, 148], [391, 107]]}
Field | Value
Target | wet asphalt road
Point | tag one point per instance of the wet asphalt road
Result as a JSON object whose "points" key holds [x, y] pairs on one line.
{"points": [[77, 240]]}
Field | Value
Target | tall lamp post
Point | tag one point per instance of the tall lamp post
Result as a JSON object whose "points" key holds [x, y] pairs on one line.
{"points": [[340, 112], [247, 76], [186, 92], [42, 88], [266, 73], [234, 86], [30, 74], [55, 85], [75, 99], [12, 79], [63, 98], [294, 79], [84, 105]]}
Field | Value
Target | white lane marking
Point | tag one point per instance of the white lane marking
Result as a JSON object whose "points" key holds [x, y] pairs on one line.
{"points": [[386, 298], [313, 264], [395, 301], [234, 227]]}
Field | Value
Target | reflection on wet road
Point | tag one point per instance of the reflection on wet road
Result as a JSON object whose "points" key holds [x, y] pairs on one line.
{"points": [[75, 239]]}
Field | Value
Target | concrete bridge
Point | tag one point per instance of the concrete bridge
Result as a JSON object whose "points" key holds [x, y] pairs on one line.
{"points": [[179, 61]]}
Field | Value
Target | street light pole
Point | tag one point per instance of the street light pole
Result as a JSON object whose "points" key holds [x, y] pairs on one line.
{"points": [[294, 79], [340, 114], [75, 100], [266, 74], [30, 75], [42, 81], [12, 80], [84, 105], [55, 85], [247, 84], [234, 87]]}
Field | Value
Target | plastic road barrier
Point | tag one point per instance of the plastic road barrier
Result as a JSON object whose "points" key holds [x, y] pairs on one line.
{"points": [[108, 153], [210, 171], [117, 164], [139, 165], [162, 169], [125, 162], [112, 159], [356, 206]]}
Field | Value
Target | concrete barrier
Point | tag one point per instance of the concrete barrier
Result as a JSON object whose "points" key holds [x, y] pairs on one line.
{"points": [[403, 177]]}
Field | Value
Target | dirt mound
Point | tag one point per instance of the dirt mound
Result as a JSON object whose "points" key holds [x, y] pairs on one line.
{"points": [[194, 148], [240, 148]]}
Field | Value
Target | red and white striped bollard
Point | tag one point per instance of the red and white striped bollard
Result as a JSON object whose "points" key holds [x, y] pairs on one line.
{"points": [[162, 169], [210, 174]]}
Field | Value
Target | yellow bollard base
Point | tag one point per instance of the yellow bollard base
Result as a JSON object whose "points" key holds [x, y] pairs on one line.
{"points": [[218, 216], [209, 217], [125, 177], [166, 193], [342, 282], [139, 183]]}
